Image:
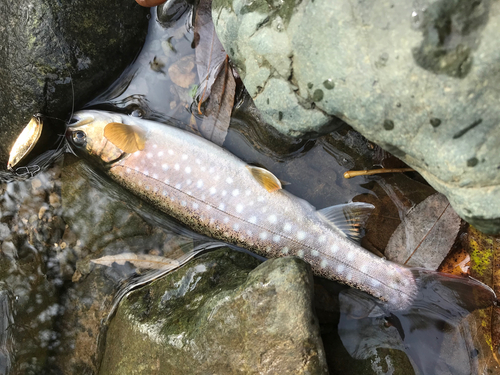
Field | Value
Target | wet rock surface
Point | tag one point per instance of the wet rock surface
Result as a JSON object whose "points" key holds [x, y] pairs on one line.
{"points": [[421, 81], [219, 315], [56, 56]]}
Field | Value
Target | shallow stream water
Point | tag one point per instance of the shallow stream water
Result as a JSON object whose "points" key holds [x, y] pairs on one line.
{"points": [[54, 301]]}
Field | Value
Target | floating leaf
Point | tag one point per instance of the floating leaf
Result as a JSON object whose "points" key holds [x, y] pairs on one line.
{"points": [[218, 112], [425, 235], [144, 261], [210, 54]]}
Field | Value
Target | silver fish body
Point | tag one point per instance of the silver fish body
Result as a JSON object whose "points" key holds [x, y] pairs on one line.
{"points": [[213, 192]]}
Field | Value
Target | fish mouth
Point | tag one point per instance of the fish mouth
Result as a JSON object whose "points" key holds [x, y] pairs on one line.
{"points": [[80, 119]]}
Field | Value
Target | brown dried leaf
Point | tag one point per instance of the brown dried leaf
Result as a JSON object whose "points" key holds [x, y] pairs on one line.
{"points": [[425, 235], [210, 54], [143, 261], [218, 112]]}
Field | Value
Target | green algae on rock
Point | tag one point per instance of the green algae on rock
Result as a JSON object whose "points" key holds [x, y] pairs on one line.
{"points": [[56, 56], [217, 315]]}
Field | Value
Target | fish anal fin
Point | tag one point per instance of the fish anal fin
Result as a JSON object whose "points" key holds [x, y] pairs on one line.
{"points": [[269, 181], [348, 218], [129, 138]]}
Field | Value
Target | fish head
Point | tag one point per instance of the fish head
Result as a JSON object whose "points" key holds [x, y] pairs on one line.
{"points": [[102, 136]]}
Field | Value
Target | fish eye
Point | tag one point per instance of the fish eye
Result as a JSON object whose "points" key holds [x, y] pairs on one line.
{"points": [[79, 138]]}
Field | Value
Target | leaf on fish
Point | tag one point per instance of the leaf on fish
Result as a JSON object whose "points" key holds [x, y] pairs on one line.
{"points": [[269, 181], [425, 235], [218, 111], [210, 54], [129, 138], [143, 261]]}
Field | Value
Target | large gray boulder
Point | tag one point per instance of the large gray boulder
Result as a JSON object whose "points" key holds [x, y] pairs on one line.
{"points": [[218, 316], [419, 78], [57, 55]]}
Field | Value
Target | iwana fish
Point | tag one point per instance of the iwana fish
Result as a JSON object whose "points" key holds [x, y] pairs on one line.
{"points": [[218, 195]]}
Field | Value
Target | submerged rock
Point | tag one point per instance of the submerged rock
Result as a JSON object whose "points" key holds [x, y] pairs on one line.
{"points": [[216, 315], [56, 56], [421, 81]]}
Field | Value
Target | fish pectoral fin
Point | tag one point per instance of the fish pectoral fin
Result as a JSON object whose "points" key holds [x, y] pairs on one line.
{"points": [[129, 138], [269, 181], [348, 218]]}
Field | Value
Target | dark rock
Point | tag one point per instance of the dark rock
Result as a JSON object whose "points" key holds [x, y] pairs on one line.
{"points": [[56, 56], [215, 315]]}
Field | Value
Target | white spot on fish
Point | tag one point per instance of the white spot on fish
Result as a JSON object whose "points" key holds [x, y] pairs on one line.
{"points": [[324, 263], [301, 235], [146, 173], [177, 167], [288, 227], [197, 161], [203, 197], [222, 206], [203, 169], [248, 192], [226, 220], [334, 248], [128, 170], [272, 219], [156, 189], [183, 203], [213, 190], [285, 250], [263, 235], [170, 152], [188, 182], [149, 155], [350, 255], [235, 192], [155, 146], [252, 220], [166, 181], [363, 268], [236, 226], [300, 253], [250, 233], [276, 238], [188, 170], [260, 198], [229, 180], [212, 220], [160, 154], [224, 193], [349, 277], [184, 157], [239, 208], [211, 170], [178, 186], [164, 167], [147, 187], [314, 253], [155, 176], [199, 185], [322, 239], [375, 283], [340, 268], [195, 206]]}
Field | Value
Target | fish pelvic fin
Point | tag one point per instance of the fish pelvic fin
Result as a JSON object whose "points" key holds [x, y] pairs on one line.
{"points": [[269, 181], [348, 218], [128, 138]]}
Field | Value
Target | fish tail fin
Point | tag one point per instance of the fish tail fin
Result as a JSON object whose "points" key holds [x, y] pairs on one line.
{"points": [[450, 295]]}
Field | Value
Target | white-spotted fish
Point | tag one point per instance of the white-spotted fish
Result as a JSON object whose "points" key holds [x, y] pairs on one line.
{"points": [[216, 194]]}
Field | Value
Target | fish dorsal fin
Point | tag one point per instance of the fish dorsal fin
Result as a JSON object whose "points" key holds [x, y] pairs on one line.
{"points": [[348, 218], [265, 178], [129, 138]]}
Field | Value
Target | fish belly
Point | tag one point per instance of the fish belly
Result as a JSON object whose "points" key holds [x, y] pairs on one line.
{"points": [[213, 193]]}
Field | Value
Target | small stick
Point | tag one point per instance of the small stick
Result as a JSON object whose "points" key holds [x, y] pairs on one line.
{"points": [[350, 174]]}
